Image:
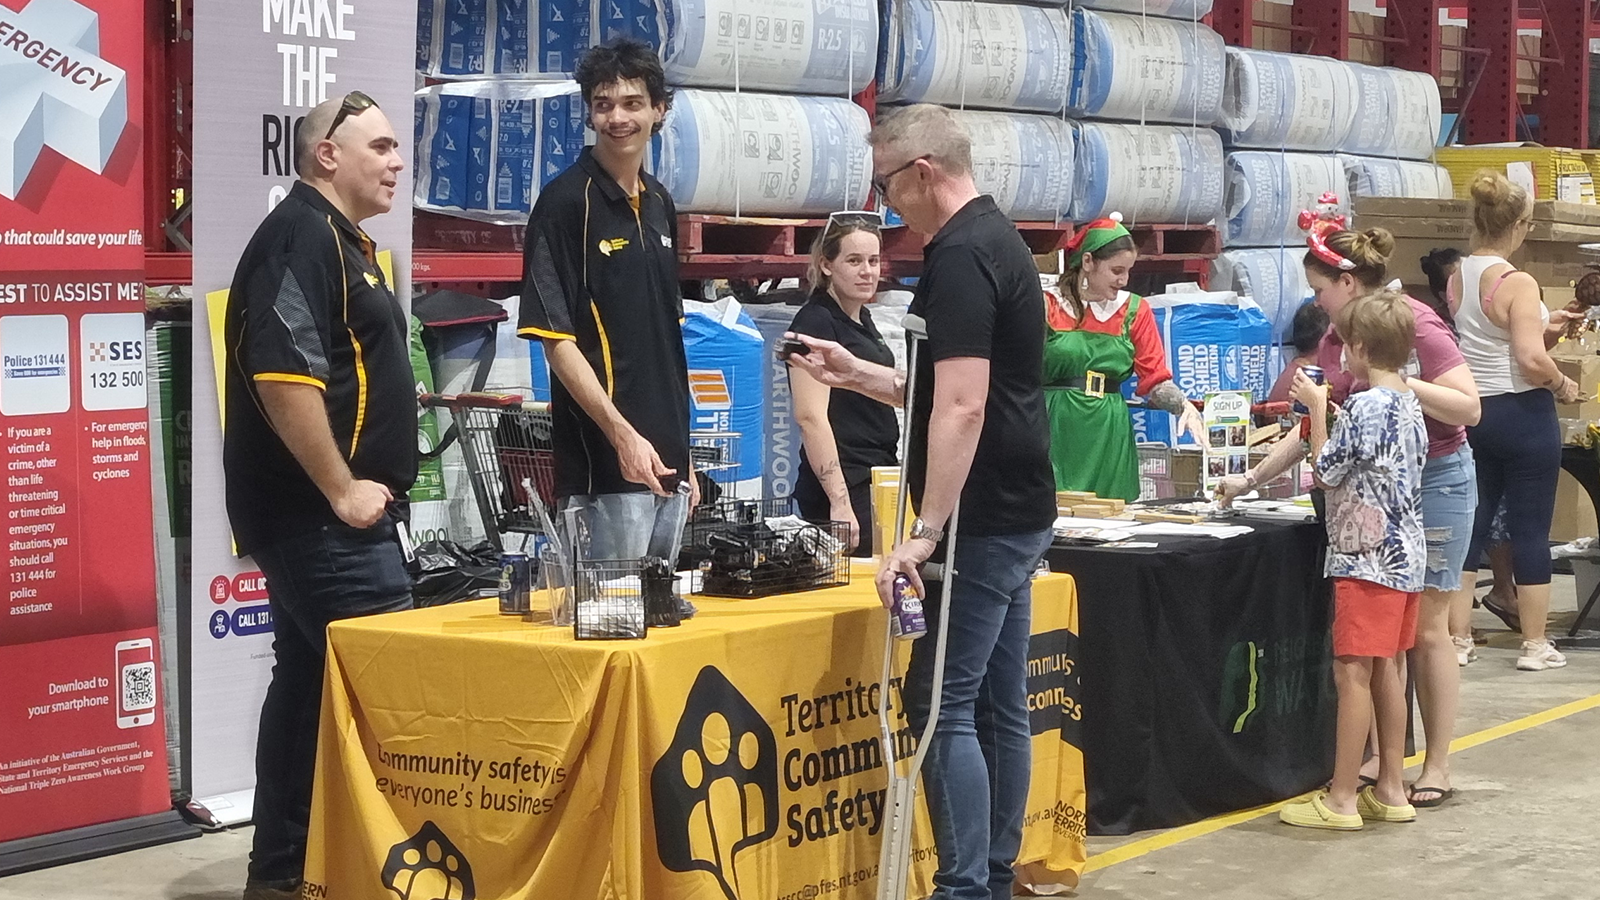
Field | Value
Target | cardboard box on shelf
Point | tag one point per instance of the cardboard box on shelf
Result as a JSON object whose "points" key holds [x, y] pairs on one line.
{"points": [[1574, 516], [1585, 370]]}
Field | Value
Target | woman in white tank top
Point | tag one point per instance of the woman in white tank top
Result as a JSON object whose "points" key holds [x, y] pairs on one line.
{"points": [[1505, 335]]}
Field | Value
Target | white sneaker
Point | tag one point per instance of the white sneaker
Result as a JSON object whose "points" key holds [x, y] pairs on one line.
{"points": [[1540, 655], [1466, 652]]}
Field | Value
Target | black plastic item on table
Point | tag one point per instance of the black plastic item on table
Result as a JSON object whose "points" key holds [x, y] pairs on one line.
{"points": [[661, 609], [450, 572]]}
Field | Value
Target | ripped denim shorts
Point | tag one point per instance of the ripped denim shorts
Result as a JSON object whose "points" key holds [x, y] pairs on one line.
{"points": [[1449, 502]]}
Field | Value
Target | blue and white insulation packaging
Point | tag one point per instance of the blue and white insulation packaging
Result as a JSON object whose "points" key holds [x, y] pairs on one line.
{"points": [[1192, 10], [487, 147], [1023, 161], [1215, 341], [1288, 101], [1145, 69], [727, 359], [963, 54], [1273, 277], [1369, 177], [1398, 114], [792, 46], [1150, 173], [763, 154], [517, 38], [1267, 191]]}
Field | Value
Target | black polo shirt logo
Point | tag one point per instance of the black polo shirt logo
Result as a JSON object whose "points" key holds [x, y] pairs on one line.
{"points": [[609, 246]]}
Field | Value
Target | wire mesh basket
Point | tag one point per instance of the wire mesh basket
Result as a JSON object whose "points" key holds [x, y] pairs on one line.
{"points": [[1166, 473], [608, 600], [714, 451], [758, 548]]}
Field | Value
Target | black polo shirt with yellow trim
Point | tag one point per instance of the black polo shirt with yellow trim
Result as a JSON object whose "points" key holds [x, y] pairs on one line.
{"points": [[309, 305], [601, 269]]}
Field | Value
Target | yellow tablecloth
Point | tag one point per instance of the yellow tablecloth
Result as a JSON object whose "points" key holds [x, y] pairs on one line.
{"points": [[466, 755]]}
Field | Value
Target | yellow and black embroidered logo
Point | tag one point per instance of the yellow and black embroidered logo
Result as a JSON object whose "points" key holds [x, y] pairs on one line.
{"points": [[609, 246], [371, 278]]}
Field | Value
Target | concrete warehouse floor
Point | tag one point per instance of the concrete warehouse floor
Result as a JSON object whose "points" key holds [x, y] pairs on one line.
{"points": [[1524, 823]]}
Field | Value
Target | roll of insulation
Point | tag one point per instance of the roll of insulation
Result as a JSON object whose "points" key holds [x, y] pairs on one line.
{"points": [[1288, 101], [1267, 191], [985, 55], [1368, 177], [1175, 9], [793, 46], [1151, 173], [1145, 69], [1398, 114], [473, 38], [763, 154], [485, 148], [1274, 277], [1023, 161]]}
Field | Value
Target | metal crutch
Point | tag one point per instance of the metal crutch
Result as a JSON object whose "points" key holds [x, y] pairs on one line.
{"points": [[894, 857]]}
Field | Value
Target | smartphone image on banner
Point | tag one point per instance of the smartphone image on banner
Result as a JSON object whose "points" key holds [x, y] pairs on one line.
{"points": [[136, 683]]}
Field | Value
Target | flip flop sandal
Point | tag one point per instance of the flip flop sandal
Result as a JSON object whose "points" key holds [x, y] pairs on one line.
{"points": [[1442, 796], [1505, 615]]}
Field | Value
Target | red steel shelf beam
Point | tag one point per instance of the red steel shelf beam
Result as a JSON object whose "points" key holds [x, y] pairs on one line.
{"points": [[1562, 103]]}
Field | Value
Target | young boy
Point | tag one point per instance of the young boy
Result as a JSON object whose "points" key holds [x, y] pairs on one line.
{"points": [[1371, 466]]}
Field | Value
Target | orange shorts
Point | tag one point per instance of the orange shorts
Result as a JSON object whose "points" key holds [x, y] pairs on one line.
{"points": [[1372, 620]]}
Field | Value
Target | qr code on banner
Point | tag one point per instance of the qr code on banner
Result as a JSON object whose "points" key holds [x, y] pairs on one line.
{"points": [[139, 686]]}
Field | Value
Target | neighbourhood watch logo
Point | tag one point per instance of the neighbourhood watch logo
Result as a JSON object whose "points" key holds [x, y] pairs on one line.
{"points": [[58, 91], [427, 866], [715, 790]]}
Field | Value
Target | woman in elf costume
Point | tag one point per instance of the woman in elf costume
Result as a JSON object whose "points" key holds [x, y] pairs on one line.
{"points": [[1100, 336]]}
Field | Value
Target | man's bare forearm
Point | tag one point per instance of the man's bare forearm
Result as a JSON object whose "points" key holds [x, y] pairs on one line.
{"points": [[568, 364], [1280, 459], [884, 384], [300, 418]]}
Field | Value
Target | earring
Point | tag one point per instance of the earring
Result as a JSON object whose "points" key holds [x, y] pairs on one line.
{"points": [[1083, 283]]}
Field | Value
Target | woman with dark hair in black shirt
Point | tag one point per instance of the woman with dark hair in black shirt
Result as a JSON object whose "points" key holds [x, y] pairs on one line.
{"points": [[843, 434]]}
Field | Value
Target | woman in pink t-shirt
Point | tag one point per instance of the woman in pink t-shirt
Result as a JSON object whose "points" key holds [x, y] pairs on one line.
{"points": [[1351, 264]]}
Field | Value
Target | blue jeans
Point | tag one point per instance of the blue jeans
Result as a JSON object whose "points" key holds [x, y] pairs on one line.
{"points": [[977, 769], [1449, 500], [335, 572], [629, 526]]}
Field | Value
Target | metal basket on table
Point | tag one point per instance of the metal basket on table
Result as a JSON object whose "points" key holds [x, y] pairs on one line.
{"points": [[757, 548], [621, 599], [1166, 473]]}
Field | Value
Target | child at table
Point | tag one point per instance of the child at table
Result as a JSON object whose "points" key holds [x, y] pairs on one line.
{"points": [[1371, 466]]}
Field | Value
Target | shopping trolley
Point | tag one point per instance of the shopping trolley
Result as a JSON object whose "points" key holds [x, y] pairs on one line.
{"points": [[506, 445]]}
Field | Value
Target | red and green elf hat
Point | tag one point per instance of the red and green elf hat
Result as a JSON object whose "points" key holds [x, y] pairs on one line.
{"points": [[1093, 236]]}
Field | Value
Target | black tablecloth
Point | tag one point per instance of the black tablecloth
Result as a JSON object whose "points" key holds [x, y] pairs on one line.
{"points": [[1206, 674]]}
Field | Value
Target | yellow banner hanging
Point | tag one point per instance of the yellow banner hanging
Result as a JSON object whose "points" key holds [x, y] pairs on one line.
{"points": [[469, 756]]}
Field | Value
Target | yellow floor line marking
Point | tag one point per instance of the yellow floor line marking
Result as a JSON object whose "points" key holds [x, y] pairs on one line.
{"points": [[1166, 839]]}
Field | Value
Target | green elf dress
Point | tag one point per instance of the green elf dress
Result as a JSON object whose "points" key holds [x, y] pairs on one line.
{"points": [[1086, 362]]}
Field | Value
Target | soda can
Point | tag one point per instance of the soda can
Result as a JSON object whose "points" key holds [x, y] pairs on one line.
{"points": [[906, 621], [516, 584], [1317, 377]]}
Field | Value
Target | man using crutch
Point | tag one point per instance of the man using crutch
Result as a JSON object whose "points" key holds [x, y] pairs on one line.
{"points": [[978, 434]]}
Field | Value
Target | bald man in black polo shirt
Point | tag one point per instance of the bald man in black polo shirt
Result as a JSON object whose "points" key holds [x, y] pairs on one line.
{"points": [[320, 443], [601, 292]]}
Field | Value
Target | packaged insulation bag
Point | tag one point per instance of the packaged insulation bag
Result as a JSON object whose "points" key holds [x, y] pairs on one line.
{"points": [[763, 154], [474, 38], [727, 360], [1369, 177], [1398, 114], [1023, 161], [1175, 9], [963, 54], [793, 46], [1151, 173], [1288, 101], [1273, 277], [1215, 342], [487, 147], [1267, 191], [1144, 69]]}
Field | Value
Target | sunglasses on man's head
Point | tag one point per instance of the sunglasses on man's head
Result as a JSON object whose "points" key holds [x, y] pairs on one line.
{"points": [[355, 103]]}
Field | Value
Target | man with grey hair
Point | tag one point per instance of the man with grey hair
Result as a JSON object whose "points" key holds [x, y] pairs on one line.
{"points": [[978, 433], [319, 448]]}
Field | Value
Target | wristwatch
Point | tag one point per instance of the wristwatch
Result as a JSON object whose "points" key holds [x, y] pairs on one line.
{"points": [[922, 531]]}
